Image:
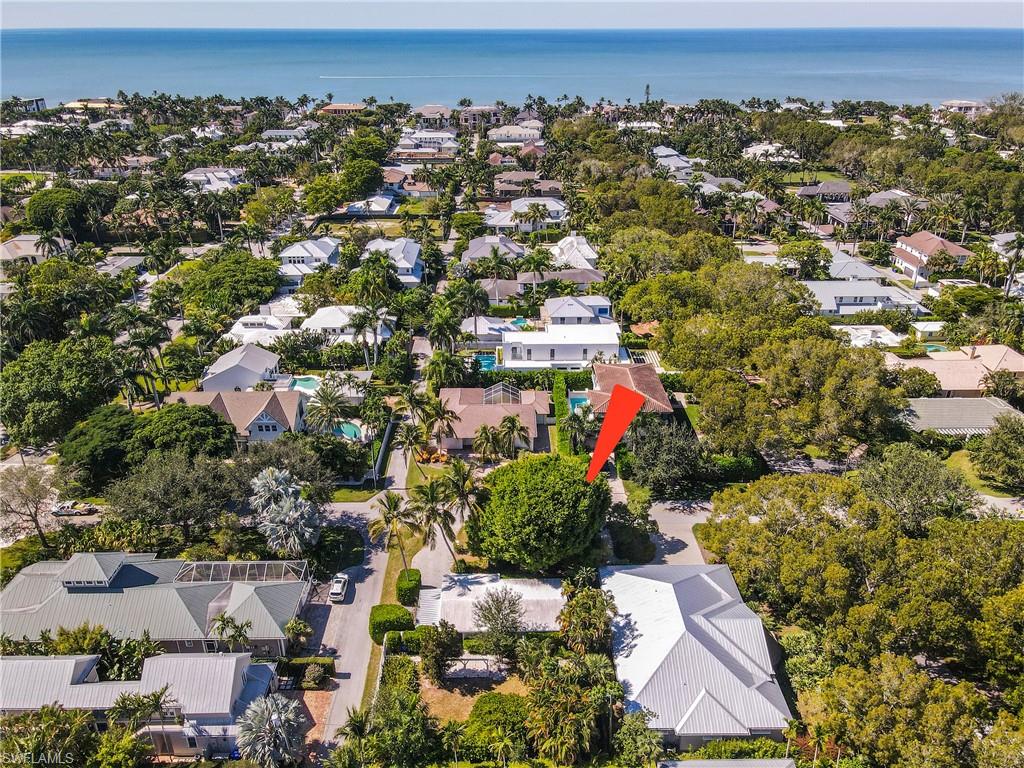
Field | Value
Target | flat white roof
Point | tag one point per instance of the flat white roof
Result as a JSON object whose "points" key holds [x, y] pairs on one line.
{"points": [[592, 333]]}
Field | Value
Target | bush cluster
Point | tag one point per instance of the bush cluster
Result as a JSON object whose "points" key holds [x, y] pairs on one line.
{"points": [[408, 586], [386, 617]]}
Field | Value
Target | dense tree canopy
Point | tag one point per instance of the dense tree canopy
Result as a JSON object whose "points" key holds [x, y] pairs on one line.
{"points": [[540, 512]]}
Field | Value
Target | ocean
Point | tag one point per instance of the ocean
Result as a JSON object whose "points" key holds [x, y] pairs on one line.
{"points": [[894, 65]]}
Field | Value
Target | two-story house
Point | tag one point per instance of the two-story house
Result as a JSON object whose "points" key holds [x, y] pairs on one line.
{"points": [[911, 253], [404, 253], [848, 297], [337, 323], [241, 368], [576, 310], [301, 259], [527, 214]]}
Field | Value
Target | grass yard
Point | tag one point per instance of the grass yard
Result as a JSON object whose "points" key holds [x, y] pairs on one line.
{"points": [[19, 554], [419, 474], [693, 416], [455, 701], [799, 177], [962, 460], [342, 495]]}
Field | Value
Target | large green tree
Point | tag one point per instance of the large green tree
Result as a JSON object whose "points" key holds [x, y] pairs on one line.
{"points": [[540, 511], [193, 430]]}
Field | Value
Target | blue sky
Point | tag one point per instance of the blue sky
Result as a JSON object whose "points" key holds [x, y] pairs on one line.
{"points": [[481, 14]]}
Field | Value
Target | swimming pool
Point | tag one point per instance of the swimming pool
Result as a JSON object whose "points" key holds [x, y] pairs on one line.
{"points": [[519, 322], [349, 430], [488, 361], [305, 383], [575, 401], [936, 348]]}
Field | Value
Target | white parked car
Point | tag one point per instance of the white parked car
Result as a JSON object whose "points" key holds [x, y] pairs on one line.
{"points": [[339, 588]]}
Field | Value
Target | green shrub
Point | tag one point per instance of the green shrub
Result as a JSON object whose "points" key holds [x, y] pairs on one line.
{"points": [[630, 544], [386, 617], [491, 712], [399, 672], [408, 586], [313, 678], [674, 382]]}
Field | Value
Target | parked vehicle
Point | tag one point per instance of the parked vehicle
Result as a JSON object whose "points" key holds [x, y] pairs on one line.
{"points": [[339, 588]]}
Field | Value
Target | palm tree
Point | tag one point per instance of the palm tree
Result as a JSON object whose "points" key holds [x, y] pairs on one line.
{"points": [[461, 488], [472, 299], [270, 731], [487, 443], [1015, 248], [291, 525], [495, 266], [359, 324], [231, 631], [577, 429], [444, 369], [512, 432], [329, 406], [818, 738], [429, 503], [536, 262], [502, 745], [410, 439], [790, 732], [410, 401], [439, 419], [271, 486], [451, 737], [355, 732], [393, 519]]}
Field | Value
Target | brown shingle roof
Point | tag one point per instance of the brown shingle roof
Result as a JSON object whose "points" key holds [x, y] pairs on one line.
{"points": [[930, 244], [473, 413], [242, 408]]}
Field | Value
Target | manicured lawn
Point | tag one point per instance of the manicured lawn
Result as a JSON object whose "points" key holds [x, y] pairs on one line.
{"points": [[553, 437], [693, 416], [962, 460], [341, 495], [418, 474], [798, 177], [19, 554]]}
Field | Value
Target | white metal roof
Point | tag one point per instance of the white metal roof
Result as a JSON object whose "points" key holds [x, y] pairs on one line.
{"points": [[687, 648]]}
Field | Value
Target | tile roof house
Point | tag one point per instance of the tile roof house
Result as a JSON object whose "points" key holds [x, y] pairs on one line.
{"points": [[433, 116], [256, 415], [640, 377], [404, 253], [207, 693], [964, 416], [241, 368], [910, 254], [501, 290], [957, 378], [995, 357], [476, 117], [476, 407], [174, 600], [687, 648], [829, 191], [24, 250]]}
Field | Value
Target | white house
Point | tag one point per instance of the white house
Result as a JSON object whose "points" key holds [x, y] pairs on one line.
{"points": [[378, 205], [541, 601], [687, 648], [426, 138], [301, 259], [241, 368], [505, 219], [513, 134], [404, 253], [562, 347], [576, 310], [24, 250], [847, 297], [336, 322], [214, 179], [259, 329], [869, 335], [574, 251]]}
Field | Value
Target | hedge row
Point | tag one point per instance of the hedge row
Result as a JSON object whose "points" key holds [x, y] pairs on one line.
{"points": [[477, 644], [560, 394], [408, 586], [313, 672], [544, 379], [387, 617], [407, 642]]}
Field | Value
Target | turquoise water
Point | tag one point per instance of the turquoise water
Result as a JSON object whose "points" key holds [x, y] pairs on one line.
{"points": [[896, 65], [936, 348], [575, 401], [487, 361], [349, 430], [305, 383], [519, 322]]}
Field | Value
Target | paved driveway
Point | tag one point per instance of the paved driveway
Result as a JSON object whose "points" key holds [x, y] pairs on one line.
{"points": [[675, 542]]}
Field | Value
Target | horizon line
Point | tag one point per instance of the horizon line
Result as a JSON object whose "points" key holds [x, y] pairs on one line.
{"points": [[508, 29]]}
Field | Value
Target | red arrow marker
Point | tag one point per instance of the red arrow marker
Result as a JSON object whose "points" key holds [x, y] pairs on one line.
{"points": [[624, 404]]}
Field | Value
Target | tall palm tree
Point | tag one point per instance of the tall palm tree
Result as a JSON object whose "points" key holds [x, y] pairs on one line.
{"points": [[502, 745], [496, 266], [355, 732], [461, 488], [393, 519], [439, 419], [1015, 248], [231, 631], [451, 737], [511, 432], [487, 443], [577, 428], [444, 369], [536, 261], [410, 438], [270, 731], [429, 503], [329, 405]]}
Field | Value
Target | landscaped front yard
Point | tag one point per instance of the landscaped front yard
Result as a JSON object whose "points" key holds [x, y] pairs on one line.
{"points": [[455, 701], [962, 460]]}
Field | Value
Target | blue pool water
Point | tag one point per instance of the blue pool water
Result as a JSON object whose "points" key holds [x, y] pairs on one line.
{"points": [[575, 401], [305, 383], [519, 322], [936, 348], [349, 430], [487, 361]]}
